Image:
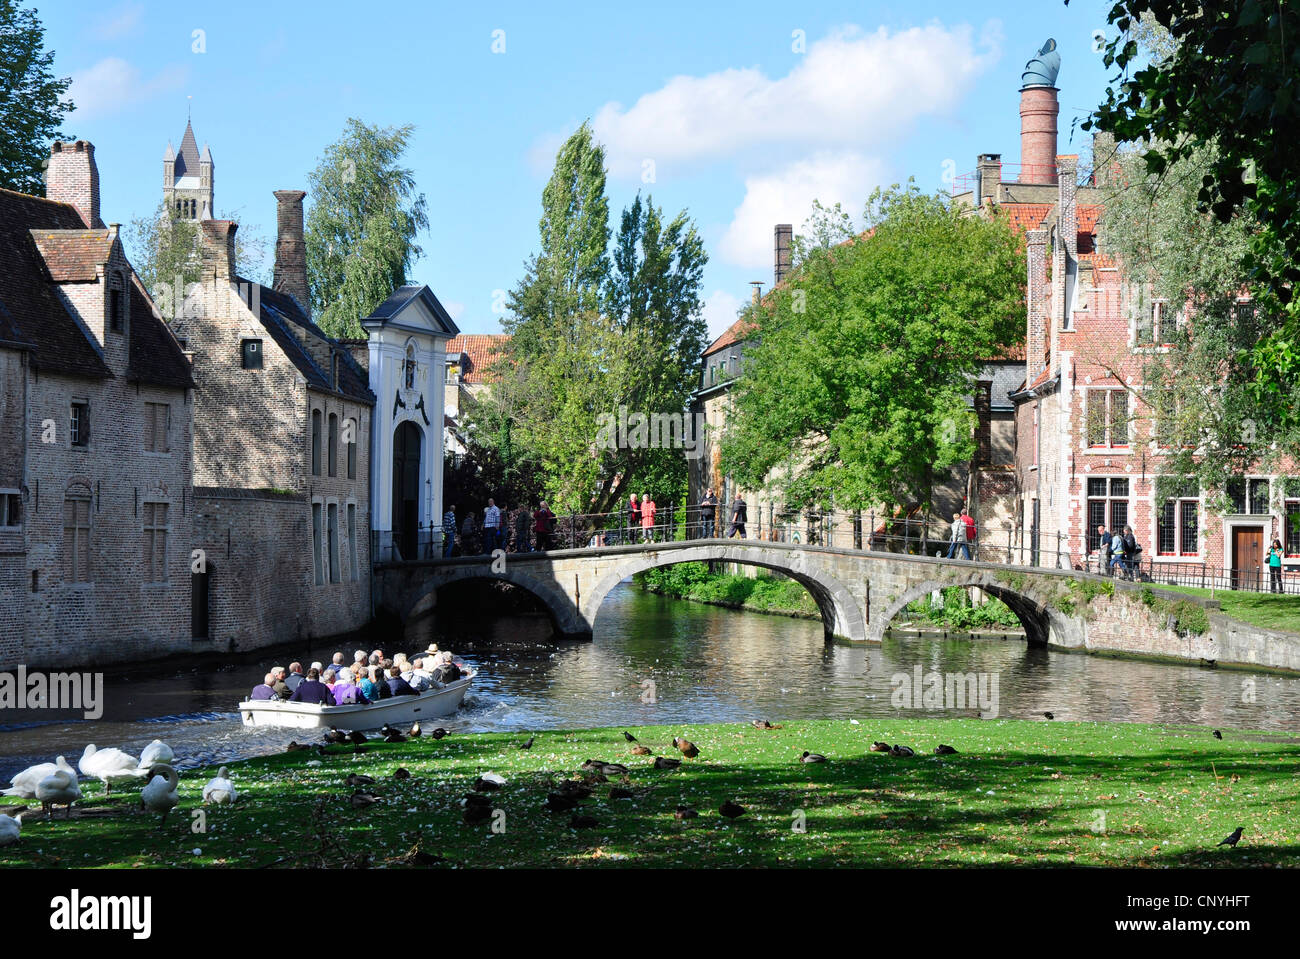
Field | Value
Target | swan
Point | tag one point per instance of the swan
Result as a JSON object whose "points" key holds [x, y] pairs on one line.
{"points": [[23, 785], [221, 789], [160, 794], [109, 764], [59, 788], [10, 828], [153, 754]]}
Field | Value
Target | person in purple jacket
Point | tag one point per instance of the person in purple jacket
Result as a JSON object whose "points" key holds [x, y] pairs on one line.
{"points": [[346, 692], [312, 690], [266, 690]]}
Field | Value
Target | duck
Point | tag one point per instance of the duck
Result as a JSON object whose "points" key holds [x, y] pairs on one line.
{"points": [[358, 779], [664, 763], [360, 800], [944, 750], [414, 731], [902, 751], [11, 828], [393, 736], [639, 750], [438, 733], [880, 747], [336, 737], [23, 785], [358, 737], [476, 813], [604, 768], [620, 792], [731, 810], [685, 812], [295, 746], [109, 764], [156, 752], [488, 782], [688, 748], [220, 790], [761, 724], [59, 788], [808, 757], [160, 793], [561, 802]]}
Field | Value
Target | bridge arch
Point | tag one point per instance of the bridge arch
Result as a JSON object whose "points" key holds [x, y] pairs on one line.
{"points": [[841, 612], [553, 599]]}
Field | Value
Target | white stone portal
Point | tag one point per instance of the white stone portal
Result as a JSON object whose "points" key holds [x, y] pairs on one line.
{"points": [[408, 336]]}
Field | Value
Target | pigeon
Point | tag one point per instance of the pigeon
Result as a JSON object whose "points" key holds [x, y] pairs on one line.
{"points": [[942, 750], [528, 743], [685, 812], [628, 736], [361, 800], [688, 748], [401, 772], [731, 810], [1049, 715], [662, 763], [902, 751], [1233, 839], [808, 757], [880, 747], [438, 733], [1218, 735]]}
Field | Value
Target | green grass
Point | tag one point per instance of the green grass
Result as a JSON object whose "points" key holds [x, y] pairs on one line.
{"points": [[1269, 610], [762, 594], [1018, 794]]}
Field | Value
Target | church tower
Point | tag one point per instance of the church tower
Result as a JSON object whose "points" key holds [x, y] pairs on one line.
{"points": [[187, 179]]}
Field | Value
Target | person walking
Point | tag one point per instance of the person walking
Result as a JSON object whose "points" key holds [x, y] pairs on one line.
{"points": [[633, 519], [1131, 551], [521, 530], [958, 537], [543, 526], [971, 533], [491, 525], [648, 510], [1103, 550], [739, 516], [1117, 553], [468, 535], [708, 514], [1275, 567], [449, 531]]}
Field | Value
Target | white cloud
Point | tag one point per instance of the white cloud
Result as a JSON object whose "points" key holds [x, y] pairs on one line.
{"points": [[852, 89], [720, 309], [786, 196], [119, 22], [113, 84]]}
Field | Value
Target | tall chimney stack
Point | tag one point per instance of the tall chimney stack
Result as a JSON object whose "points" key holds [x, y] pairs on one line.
{"points": [[290, 249], [758, 291], [782, 238], [1038, 112], [72, 177], [217, 252]]}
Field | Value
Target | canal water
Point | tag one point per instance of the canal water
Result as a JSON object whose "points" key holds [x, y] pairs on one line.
{"points": [[657, 660]]}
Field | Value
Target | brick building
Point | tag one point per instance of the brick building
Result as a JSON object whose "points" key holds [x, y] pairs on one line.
{"points": [[96, 509]]}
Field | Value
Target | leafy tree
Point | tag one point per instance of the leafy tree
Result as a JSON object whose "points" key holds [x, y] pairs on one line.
{"points": [[855, 386], [32, 105], [361, 229]]}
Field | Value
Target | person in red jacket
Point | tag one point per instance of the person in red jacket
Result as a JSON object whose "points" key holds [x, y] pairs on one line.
{"points": [[543, 526], [970, 531]]}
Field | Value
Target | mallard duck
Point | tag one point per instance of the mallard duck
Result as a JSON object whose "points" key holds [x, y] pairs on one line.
{"points": [[295, 746], [109, 764], [880, 747], [155, 754], [220, 790], [761, 724], [357, 737], [358, 779], [335, 737], [11, 828], [23, 785], [414, 732], [362, 800], [731, 810], [902, 751], [438, 733], [664, 763], [685, 812], [808, 757], [942, 750], [394, 737], [59, 788], [639, 750], [160, 795], [688, 748]]}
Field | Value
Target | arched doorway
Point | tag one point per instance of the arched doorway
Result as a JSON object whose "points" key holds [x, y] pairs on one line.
{"points": [[407, 442]]}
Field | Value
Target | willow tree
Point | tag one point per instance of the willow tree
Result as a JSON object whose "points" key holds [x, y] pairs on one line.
{"points": [[856, 381]]}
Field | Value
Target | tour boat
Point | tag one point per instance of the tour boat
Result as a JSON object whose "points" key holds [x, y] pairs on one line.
{"points": [[396, 710]]}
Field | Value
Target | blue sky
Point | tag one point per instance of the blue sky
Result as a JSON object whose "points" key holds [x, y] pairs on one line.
{"points": [[740, 113]]}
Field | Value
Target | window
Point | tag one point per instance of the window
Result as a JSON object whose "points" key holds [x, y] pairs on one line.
{"points": [[352, 449], [155, 542], [1153, 326], [315, 544], [251, 354], [333, 531], [334, 373], [352, 542], [315, 442], [157, 423], [453, 373], [1291, 522], [1107, 420], [1177, 526], [1107, 506], [1248, 496], [333, 452], [76, 539], [11, 509], [116, 319], [80, 424]]}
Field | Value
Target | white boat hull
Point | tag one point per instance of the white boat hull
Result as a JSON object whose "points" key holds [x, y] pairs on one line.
{"points": [[396, 710]]}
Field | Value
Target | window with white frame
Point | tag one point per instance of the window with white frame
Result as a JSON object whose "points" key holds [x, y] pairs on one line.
{"points": [[1107, 418], [1107, 506], [1248, 496], [1178, 522]]}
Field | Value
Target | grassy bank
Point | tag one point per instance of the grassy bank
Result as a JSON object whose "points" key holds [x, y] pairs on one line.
{"points": [[1017, 794], [1267, 610], [760, 594], [954, 610]]}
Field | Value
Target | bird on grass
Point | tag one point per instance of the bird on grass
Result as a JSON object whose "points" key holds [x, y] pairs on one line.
{"points": [[335, 737], [639, 750], [1049, 715], [628, 736], [362, 800], [488, 782], [686, 812], [357, 737], [731, 810], [561, 802], [688, 748], [295, 746], [942, 750], [880, 747], [414, 732], [604, 768], [527, 743], [902, 751], [358, 749], [808, 757], [11, 827], [1218, 735], [220, 789], [476, 813], [761, 724], [663, 763], [1233, 839], [619, 792], [584, 822], [160, 794], [60, 788], [357, 779], [391, 735], [401, 772], [438, 733]]}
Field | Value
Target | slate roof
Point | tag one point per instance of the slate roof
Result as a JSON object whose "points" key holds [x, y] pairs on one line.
{"points": [[400, 297], [187, 160], [280, 312], [156, 357]]}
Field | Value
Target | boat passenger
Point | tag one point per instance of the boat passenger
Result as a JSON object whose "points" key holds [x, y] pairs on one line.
{"points": [[446, 671], [330, 677], [280, 686], [295, 677], [337, 663], [265, 690], [373, 685], [420, 678], [397, 685], [346, 692], [312, 690]]}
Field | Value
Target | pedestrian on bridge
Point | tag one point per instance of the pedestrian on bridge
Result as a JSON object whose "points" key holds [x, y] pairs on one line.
{"points": [[449, 531], [739, 516], [648, 510], [543, 526], [491, 526], [521, 530], [708, 515], [958, 537], [633, 519]]}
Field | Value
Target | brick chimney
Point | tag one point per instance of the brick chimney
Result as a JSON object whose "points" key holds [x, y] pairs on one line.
{"points": [[218, 252], [1038, 110], [290, 248], [783, 236], [72, 177], [989, 169], [1037, 294]]}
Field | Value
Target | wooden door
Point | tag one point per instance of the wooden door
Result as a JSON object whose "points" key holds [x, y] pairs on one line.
{"points": [[1248, 557]]}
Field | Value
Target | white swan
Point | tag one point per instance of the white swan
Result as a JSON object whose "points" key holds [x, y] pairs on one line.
{"points": [[59, 788], [160, 794], [221, 789], [109, 764], [23, 785], [11, 828], [153, 754]]}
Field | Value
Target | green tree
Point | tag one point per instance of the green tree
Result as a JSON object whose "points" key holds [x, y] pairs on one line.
{"points": [[361, 229], [856, 379], [32, 104]]}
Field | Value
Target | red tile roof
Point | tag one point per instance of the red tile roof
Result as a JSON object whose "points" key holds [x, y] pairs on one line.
{"points": [[73, 256], [1026, 216], [483, 349], [735, 333]]}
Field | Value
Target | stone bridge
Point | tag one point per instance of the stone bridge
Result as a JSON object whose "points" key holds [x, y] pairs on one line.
{"points": [[860, 592]]}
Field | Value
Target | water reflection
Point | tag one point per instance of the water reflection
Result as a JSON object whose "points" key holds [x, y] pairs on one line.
{"points": [[705, 664]]}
